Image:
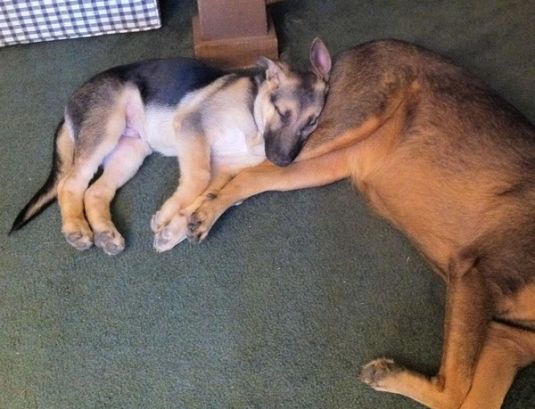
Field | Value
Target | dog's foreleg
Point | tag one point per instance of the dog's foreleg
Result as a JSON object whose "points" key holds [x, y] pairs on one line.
{"points": [[169, 224], [506, 351], [465, 328], [220, 179], [120, 166], [319, 171]]}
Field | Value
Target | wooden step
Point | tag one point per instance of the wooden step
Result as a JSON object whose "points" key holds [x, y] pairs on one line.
{"points": [[233, 33]]}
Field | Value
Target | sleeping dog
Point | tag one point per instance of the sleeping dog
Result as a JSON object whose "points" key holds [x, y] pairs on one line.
{"points": [[452, 165], [216, 124]]}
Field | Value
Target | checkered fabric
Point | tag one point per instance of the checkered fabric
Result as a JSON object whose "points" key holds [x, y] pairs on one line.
{"points": [[26, 21]]}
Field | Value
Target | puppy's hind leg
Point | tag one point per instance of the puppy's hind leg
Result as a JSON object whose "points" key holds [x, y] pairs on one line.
{"points": [[119, 167], [97, 137]]}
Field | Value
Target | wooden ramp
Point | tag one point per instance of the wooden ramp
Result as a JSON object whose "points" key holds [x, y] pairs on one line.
{"points": [[234, 33]]}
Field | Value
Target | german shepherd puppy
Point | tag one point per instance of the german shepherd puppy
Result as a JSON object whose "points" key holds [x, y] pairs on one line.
{"points": [[216, 124], [452, 165]]}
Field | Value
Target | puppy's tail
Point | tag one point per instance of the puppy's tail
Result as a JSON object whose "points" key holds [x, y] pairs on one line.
{"points": [[61, 163]]}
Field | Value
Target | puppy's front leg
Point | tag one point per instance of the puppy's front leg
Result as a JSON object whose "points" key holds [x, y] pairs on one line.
{"points": [[169, 224], [219, 180], [314, 172]]}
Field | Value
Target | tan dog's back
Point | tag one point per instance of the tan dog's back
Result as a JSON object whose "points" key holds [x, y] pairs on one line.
{"points": [[449, 161]]}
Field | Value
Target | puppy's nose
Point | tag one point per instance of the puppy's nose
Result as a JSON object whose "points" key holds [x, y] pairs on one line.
{"points": [[282, 161]]}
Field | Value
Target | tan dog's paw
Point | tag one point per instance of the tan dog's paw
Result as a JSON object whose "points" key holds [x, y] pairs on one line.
{"points": [[111, 242], [199, 224], [379, 372], [78, 235]]}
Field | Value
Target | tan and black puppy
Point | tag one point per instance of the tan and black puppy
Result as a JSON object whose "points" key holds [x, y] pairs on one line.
{"points": [[452, 165], [216, 123]]}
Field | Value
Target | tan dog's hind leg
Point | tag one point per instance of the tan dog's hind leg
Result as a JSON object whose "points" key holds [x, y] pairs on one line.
{"points": [[120, 166], [266, 176], [168, 224], [89, 154], [506, 350], [465, 328]]}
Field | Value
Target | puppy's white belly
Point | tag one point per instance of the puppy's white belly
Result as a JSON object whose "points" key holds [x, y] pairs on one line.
{"points": [[235, 163], [233, 150], [159, 130], [231, 147]]}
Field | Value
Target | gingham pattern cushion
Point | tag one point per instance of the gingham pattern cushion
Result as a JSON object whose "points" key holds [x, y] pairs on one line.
{"points": [[26, 21]]}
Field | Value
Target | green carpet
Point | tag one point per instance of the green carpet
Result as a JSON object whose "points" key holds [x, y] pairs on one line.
{"points": [[291, 293]]}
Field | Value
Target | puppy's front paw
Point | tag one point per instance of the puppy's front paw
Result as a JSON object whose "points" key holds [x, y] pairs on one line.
{"points": [[169, 236], [157, 223], [379, 372], [110, 241], [166, 213]]}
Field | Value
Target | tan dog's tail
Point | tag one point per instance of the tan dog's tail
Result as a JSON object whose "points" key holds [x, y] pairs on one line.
{"points": [[61, 163]]}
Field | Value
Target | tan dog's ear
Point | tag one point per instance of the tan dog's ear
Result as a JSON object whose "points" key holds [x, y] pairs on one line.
{"points": [[320, 59], [273, 70]]}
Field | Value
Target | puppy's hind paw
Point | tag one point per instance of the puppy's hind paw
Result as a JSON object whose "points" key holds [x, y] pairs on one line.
{"points": [[111, 242], [78, 234], [379, 372], [79, 240]]}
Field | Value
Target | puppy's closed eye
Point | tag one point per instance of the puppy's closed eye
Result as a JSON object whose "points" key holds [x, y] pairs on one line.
{"points": [[311, 122], [285, 115]]}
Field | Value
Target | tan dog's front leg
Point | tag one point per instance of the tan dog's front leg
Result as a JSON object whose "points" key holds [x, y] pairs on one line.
{"points": [[314, 172], [219, 180]]}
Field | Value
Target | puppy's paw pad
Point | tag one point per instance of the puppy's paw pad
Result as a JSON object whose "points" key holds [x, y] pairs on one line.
{"points": [[79, 240], [111, 242], [377, 372]]}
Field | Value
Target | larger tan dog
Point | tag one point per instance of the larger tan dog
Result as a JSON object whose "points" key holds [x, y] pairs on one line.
{"points": [[452, 165]]}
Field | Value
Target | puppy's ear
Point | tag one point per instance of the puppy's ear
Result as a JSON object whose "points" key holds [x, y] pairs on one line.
{"points": [[320, 59], [273, 70]]}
